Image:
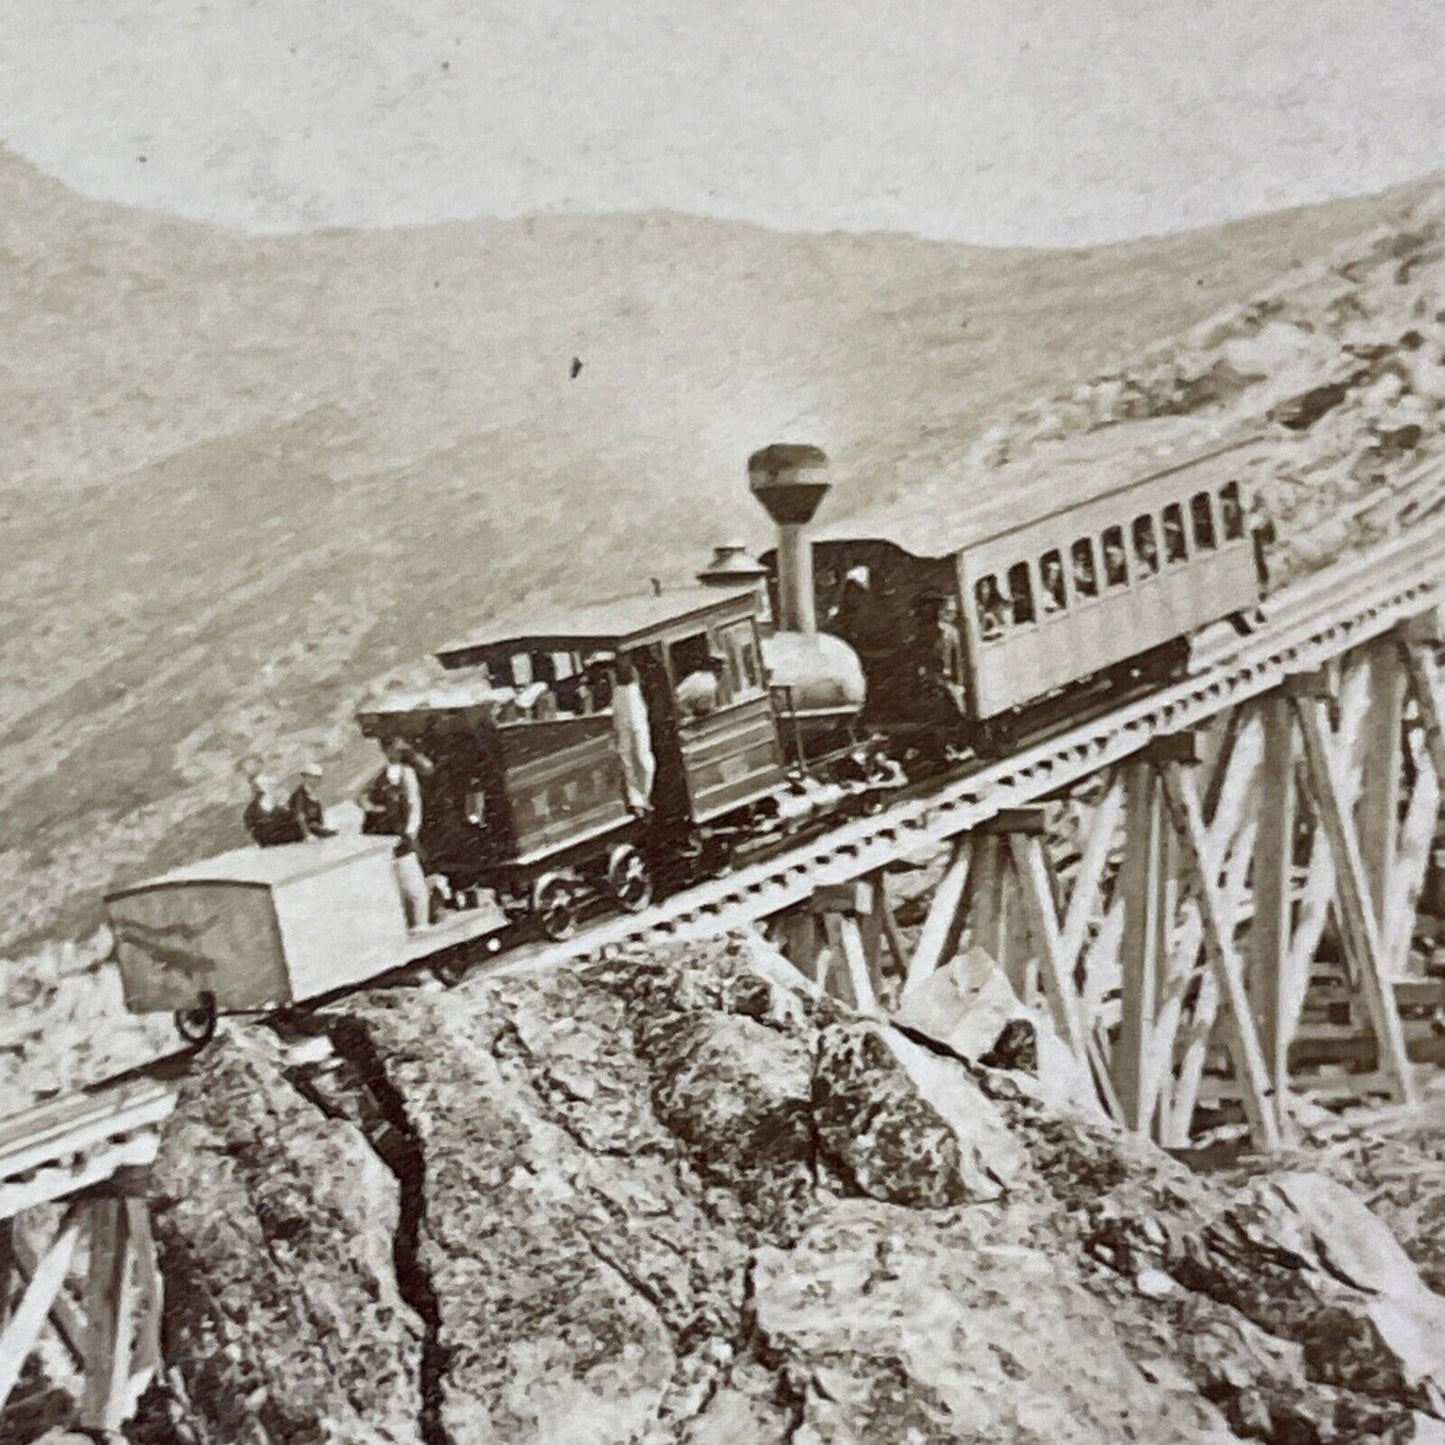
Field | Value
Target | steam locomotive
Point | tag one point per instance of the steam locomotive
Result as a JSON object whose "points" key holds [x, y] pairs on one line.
{"points": [[615, 750]]}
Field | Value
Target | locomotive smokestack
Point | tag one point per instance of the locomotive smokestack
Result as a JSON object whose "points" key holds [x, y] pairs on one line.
{"points": [[790, 480]]}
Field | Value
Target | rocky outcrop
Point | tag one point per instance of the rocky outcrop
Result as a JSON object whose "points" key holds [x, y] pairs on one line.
{"points": [[276, 1225], [670, 1199]]}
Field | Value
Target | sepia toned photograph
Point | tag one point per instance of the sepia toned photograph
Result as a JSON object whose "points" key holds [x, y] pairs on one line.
{"points": [[722, 724]]}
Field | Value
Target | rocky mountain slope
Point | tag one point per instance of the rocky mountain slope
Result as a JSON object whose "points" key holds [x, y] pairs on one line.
{"points": [[675, 1199]]}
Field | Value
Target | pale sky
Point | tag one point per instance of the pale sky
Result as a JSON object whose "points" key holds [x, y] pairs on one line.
{"points": [[996, 121]]}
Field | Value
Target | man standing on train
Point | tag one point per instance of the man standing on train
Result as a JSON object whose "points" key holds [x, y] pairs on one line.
{"points": [[938, 648], [392, 807]]}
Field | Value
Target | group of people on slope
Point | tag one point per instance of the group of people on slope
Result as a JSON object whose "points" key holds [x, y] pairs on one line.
{"points": [[391, 807]]}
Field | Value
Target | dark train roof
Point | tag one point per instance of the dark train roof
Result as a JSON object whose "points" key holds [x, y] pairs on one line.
{"points": [[617, 622], [958, 508]]}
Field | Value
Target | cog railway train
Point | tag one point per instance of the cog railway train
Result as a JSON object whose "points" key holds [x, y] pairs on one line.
{"points": [[623, 749]]}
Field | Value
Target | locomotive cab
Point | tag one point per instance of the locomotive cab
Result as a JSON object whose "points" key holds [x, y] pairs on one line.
{"points": [[583, 757]]}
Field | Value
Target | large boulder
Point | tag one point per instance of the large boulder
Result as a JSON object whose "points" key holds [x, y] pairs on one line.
{"points": [[886, 1326]]}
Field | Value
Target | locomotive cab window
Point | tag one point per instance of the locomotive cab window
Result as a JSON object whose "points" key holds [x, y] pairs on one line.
{"points": [[1086, 574], [744, 667], [699, 676], [1201, 514], [1116, 569], [1021, 592], [1232, 512], [1051, 579], [1176, 549], [1146, 549], [992, 608]]}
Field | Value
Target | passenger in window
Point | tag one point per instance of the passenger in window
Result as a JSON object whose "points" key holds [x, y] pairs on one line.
{"points": [[1203, 519], [700, 692], [1020, 591], [632, 733], [1116, 570], [1175, 548], [1052, 573], [1145, 548], [1232, 512], [1086, 580], [994, 610]]}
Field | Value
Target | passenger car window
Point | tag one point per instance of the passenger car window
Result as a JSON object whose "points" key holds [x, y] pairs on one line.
{"points": [[1051, 580], [1146, 549], [1116, 569], [1201, 514], [1176, 549], [1086, 576], [994, 612], [1021, 592], [1232, 512]]}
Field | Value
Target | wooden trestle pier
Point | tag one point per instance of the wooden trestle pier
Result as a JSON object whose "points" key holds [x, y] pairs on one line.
{"points": [[1179, 896], [73, 1208]]}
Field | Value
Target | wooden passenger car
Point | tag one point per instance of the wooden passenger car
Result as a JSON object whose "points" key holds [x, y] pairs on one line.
{"points": [[1069, 574], [526, 792]]}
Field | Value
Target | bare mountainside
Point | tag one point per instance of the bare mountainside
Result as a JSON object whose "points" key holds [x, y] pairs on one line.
{"points": [[239, 476]]}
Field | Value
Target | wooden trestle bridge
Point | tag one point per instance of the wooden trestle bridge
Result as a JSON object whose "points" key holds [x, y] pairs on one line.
{"points": [[1160, 878]]}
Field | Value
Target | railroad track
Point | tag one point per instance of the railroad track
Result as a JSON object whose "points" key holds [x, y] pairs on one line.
{"points": [[62, 1146]]}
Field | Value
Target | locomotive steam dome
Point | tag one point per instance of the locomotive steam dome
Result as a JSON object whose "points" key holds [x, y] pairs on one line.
{"points": [[820, 670]]}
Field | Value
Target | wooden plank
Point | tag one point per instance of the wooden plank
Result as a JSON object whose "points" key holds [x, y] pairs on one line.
{"points": [[1270, 928], [983, 898], [1354, 908], [943, 926], [150, 1300], [1412, 863], [1086, 898], [1182, 797], [28, 1319], [1031, 867], [893, 935], [797, 939], [67, 1319], [109, 1316], [1178, 1111], [1139, 889], [1377, 810], [846, 940], [1428, 691]]}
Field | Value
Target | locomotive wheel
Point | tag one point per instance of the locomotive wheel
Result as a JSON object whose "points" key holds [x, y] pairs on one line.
{"points": [[197, 1025], [629, 878], [554, 907]]}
